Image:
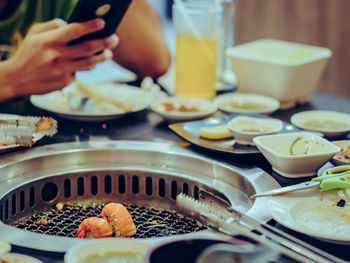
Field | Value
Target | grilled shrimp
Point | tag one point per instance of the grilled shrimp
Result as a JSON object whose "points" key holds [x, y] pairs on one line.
{"points": [[120, 219], [94, 227]]}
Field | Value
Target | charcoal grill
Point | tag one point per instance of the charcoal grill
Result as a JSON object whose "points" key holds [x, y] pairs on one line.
{"points": [[144, 176]]}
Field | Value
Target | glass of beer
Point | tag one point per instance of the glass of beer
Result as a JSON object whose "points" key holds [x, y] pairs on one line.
{"points": [[197, 27]]}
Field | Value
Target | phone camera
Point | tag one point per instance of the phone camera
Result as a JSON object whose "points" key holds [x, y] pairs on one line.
{"points": [[103, 9]]}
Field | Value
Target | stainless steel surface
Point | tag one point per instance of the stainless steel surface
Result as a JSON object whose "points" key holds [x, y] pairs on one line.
{"points": [[50, 166], [287, 189]]}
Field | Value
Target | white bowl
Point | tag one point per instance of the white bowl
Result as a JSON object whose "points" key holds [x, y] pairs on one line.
{"points": [[330, 123], [298, 154], [245, 128], [284, 70], [246, 103], [126, 249], [170, 108]]}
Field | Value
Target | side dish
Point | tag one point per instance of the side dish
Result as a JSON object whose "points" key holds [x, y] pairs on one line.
{"points": [[325, 125], [303, 145], [344, 154], [246, 128], [215, 133], [179, 108], [108, 251], [330, 123], [246, 102], [298, 154]]}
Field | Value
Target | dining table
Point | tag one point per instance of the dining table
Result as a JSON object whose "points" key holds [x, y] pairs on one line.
{"points": [[149, 126]]}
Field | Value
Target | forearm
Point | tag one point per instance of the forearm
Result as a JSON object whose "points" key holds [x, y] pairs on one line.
{"points": [[142, 47], [8, 90]]}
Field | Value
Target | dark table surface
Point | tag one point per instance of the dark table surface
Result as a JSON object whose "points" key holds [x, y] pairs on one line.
{"points": [[148, 126]]}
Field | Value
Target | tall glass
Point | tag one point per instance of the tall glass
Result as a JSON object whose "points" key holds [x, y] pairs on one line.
{"points": [[197, 32]]}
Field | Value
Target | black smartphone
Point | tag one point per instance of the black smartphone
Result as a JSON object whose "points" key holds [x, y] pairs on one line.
{"points": [[112, 11]]}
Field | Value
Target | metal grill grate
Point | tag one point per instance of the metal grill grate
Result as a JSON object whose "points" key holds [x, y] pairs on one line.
{"points": [[150, 222]]}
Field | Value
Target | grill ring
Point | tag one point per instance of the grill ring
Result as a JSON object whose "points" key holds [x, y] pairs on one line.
{"points": [[144, 174]]}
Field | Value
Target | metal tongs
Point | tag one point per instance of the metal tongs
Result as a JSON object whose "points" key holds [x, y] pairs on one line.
{"points": [[212, 210]]}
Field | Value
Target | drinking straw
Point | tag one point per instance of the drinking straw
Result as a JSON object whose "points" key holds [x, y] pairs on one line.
{"points": [[195, 32], [187, 18]]}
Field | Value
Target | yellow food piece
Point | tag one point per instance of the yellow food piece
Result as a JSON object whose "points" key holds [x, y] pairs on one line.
{"points": [[215, 133]]}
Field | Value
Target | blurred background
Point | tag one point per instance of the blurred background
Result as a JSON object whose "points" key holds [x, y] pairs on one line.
{"points": [[316, 22]]}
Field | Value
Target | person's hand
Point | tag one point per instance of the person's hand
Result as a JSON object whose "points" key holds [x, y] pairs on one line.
{"points": [[44, 62]]}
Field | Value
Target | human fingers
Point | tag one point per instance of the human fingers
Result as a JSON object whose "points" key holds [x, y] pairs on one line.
{"points": [[57, 83], [46, 26], [88, 62], [90, 48], [73, 31]]}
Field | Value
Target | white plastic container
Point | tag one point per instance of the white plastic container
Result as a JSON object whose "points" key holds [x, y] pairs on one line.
{"points": [[284, 70]]}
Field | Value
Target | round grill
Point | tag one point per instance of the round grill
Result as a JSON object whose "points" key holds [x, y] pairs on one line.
{"points": [[144, 176]]}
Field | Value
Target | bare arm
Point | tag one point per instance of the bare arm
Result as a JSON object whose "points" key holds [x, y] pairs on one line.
{"points": [[142, 47]]}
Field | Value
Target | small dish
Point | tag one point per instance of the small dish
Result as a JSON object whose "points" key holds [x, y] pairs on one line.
{"points": [[330, 123], [244, 128], [343, 157], [108, 250], [246, 103], [295, 155], [183, 109]]}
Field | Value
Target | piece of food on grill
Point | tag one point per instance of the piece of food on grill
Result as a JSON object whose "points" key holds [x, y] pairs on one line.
{"points": [[94, 227], [215, 133], [120, 219]]}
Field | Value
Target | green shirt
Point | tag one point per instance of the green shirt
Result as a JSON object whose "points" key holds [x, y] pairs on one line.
{"points": [[29, 12]]}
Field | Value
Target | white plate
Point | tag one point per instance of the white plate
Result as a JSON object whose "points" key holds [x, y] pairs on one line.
{"points": [[112, 101], [314, 213], [170, 108], [3, 149], [343, 145], [330, 123], [245, 102]]}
